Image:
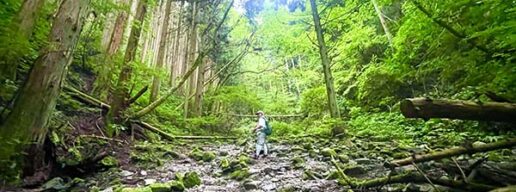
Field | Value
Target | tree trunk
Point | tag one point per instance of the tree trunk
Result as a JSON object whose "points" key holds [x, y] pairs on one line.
{"points": [[37, 99], [454, 152], [427, 108], [191, 58], [382, 21], [122, 88], [199, 90], [325, 61], [21, 29], [175, 55], [103, 81], [161, 53]]}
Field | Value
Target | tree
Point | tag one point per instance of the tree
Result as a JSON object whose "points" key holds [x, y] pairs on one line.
{"points": [[121, 93], [325, 61], [22, 26], [37, 98], [161, 52]]}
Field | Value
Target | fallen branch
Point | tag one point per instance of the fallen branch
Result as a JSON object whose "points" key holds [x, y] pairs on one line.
{"points": [[427, 108], [173, 137], [83, 97], [101, 137], [454, 152], [138, 95], [271, 116], [413, 177]]}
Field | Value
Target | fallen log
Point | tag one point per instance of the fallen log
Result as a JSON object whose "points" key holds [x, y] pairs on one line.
{"points": [[414, 177], [83, 97], [173, 137], [453, 152], [427, 108]]}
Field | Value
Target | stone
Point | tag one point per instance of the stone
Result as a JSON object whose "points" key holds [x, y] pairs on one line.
{"points": [[328, 152], [344, 158], [208, 156], [223, 153], [171, 154], [298, 162], [354, 170], [149, 181], [191, 179], [126, 173], [478, 143], [143, 173], [269, 187], [251, 185], [137, 189]]}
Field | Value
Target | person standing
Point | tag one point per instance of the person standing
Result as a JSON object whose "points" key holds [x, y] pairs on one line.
{"points": [[261, 143]]}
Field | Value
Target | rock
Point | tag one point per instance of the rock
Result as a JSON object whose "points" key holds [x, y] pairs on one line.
{"points": [[224, 165], [307, 146], [160, 187], [287, 188], [176, 186], [309, 175], [57, 183], [269, 187], [251, 185], [344, 158], [126, 173], [208, 156], [191, 179], [109, 189], [296, 149], [196, 154], [328, 152], [223, 153], [363, 161], [171, 154], [298, 162], [312, 153], [143, 173], [240, 175], [149, 181], [267, 170], [400, 155], [354, 170]]}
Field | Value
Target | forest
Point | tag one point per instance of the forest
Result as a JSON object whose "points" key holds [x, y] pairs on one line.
{"points": [[258, 95]]}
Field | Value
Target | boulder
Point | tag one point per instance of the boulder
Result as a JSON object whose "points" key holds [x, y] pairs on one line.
{"points": [[251, 185], [191, 179], [240, 175], [328, 152]]}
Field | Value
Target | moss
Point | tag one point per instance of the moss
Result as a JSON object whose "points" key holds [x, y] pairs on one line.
{"points": [[328, 152], [240, 175], [160, 187], [343, 158], [176, 186], [332, 175], [224, 165], [109, 161], [298, 162], [196, 154], [244, 159], [137, 189], [191, 179], [208, 156]]}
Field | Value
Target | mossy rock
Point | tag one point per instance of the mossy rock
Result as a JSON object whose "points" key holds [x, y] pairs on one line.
{"points": [[196, 154], [309, 175], [176, 186], [160, 187], [400, 155], [223, 153], [296, 149], [208, 156], [240, 175], [298, 162], [312, 153], [307, 146], [328, 152], [191, 179], [224, 163], [109, 161], [171, 154], [244, 159], [343, 158]]}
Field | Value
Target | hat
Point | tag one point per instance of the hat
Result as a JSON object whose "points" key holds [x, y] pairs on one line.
{"points": [[258, 112]]}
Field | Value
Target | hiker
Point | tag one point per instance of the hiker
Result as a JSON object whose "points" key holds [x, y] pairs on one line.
{"points": [[261, 135]]}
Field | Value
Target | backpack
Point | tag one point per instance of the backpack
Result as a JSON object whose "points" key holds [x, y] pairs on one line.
{"points": [[268, 128]]}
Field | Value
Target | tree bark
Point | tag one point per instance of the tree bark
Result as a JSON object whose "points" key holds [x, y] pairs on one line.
{"points": [[21, 28], [175, 55], [37, 98], [190, 90], [427, 108], [156, 81], [454, 152], [325, 61], [122, 88]]}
